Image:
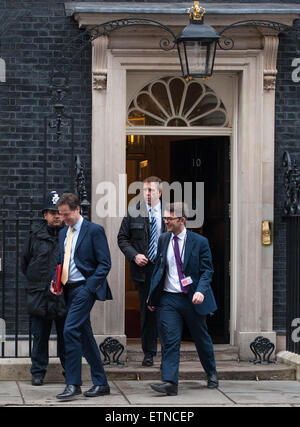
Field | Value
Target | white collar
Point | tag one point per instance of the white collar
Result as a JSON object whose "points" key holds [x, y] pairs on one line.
{"points": [[181, 235], [155, 208], [78, 224]]}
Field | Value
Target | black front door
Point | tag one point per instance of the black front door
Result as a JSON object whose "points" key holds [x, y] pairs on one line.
{"points": [[207, 160]]}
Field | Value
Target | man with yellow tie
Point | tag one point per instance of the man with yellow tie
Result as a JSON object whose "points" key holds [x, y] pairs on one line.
{"points": [[85, 257]]}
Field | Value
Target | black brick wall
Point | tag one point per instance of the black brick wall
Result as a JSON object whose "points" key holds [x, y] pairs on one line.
{"points": [[32, 35], [287, 137], [30, 43]]}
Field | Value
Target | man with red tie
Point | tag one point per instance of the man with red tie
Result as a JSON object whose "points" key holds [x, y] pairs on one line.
{"points": [[180, 292]]}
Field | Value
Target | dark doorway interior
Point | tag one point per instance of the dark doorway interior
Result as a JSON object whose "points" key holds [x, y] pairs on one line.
{"points": [[207, 160], [198, 159]]}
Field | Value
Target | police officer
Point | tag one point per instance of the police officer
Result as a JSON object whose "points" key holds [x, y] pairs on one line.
{"points": [[38, 262]]}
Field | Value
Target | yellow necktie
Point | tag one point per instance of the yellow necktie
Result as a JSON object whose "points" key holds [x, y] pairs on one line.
{"points": [[67, 257]]}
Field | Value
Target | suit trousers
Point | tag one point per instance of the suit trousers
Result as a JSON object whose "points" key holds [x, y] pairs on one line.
{"points": [[175, 309], [79, 338], [148, 318]]}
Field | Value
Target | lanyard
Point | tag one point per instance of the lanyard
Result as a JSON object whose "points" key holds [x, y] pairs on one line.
{"points": [[181, 255]]}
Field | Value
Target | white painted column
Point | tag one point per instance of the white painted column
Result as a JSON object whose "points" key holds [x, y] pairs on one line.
{"points": [[268, 156], [255, 200], [108, 162]]}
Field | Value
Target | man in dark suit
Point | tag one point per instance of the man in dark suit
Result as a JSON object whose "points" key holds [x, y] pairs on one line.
{"points": [[85, 257], [137, 239], [180, 292]]}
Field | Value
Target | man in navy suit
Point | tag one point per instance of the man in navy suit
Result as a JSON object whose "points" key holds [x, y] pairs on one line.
{"points": [[180, 292], [85, 257]]}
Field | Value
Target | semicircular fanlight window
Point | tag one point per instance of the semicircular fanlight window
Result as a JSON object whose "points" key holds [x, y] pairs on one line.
{"points": [[172, 101]]}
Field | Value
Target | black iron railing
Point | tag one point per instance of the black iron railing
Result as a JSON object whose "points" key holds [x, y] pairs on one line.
{"points": [[293, 284], [16, 222], [292, 217], [15, 227]]}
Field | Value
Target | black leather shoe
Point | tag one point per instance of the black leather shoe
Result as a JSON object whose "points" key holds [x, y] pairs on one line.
{"points": [[37, 380], [166, 388], [148, 360], [97, 390], [212, 381], [70, 392]]}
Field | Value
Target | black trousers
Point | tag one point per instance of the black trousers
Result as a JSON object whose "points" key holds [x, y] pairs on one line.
{"points": [[148, 318], [41, 329]]}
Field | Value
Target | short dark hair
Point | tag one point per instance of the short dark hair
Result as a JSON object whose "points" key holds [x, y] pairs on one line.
{"points": [[70, 199], [154, 179], [180, 209]]}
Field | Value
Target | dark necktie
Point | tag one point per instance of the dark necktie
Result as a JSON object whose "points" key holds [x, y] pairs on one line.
{"points": [[179, 265], [153, 233]]}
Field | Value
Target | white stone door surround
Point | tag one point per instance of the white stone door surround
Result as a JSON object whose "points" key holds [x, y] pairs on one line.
{"points": [[252, 172]]}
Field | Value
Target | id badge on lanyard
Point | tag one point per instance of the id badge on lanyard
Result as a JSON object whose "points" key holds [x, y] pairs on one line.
{"points": [[185, 281]]}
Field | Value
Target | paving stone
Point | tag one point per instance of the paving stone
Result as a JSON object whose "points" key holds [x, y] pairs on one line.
{"points": [[10, 393], [189, 393], [262, 392], [46, 395], [138, 394]]}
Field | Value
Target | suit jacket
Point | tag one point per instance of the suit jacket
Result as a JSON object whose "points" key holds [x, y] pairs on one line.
{"points": [[197, 264], [92, 258], [133, 239]]}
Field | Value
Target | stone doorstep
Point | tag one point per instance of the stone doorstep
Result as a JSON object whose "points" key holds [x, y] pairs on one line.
{"points": [[19, 370], [290, 359], [194, 371], [188, 353]]}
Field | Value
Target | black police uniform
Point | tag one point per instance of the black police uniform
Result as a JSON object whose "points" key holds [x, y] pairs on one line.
{"points": [[38, 262]]}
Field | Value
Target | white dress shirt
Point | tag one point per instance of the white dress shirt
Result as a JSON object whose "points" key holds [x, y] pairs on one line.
{"points": [[172, 283], [74, 273]]}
